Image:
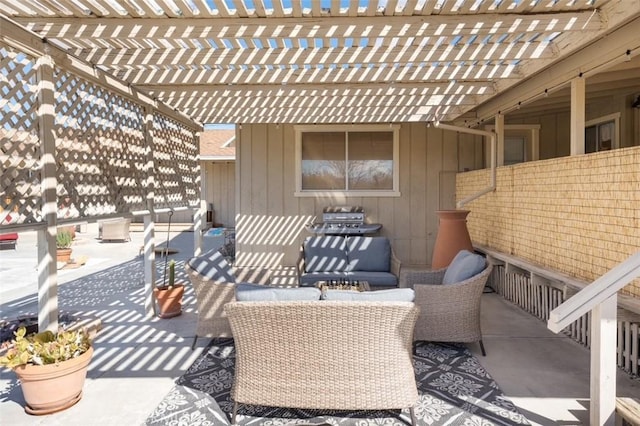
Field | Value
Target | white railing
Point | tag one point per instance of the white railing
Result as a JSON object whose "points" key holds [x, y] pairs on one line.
{"points": [[599, 298]]}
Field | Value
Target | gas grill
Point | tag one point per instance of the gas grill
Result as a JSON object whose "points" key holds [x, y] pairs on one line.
{"points": [[343, 220]]}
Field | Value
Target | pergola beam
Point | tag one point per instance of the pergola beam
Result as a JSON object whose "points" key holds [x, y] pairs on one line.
{"points": [[608, 51], [311, 27], [401, 55]]}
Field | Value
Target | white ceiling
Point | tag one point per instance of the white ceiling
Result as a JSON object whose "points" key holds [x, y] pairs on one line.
{"points": [[340, 61]]}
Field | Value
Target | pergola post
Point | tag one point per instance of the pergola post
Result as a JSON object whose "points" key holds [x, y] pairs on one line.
{"points": [[149, 264], [200, 212], [603, 362], [149, 223], [577, 115], [47, 263], [499, 140]]}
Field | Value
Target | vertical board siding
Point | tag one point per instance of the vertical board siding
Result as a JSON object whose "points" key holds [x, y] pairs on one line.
{"points": [[220, 189], [270, 219]]}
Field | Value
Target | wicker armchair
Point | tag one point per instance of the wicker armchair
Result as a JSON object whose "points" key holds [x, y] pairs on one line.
{"points": [[114, 229], [214, 283], [448, 312], [333, 355]]}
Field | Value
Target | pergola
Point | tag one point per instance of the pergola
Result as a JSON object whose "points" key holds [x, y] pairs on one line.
{"points": [[106, 97], [339, 61]]}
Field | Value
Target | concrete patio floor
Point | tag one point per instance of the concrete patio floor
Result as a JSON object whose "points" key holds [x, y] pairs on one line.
{"points": [[137, 358]]}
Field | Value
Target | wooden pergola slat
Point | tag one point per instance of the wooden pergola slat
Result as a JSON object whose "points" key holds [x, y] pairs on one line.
{"points": [[198, 46]]}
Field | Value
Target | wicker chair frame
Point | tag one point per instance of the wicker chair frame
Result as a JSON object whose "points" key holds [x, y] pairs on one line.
{"points": [[211, 296], [333, 355], [451, 312]]}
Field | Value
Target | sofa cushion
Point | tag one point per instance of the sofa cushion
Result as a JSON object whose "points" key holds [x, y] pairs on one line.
{"points": [[325, 253], [246, 292], [463, 266], [311, 278], [390, 295], [371, 254], [373, 278]]}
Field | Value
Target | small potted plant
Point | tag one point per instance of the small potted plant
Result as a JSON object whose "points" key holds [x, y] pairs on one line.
{"points": [[63, 245], [51, 367], [169, 295]]}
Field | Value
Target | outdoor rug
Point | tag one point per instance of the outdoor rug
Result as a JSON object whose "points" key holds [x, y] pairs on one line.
{"points": [[454, 389]]}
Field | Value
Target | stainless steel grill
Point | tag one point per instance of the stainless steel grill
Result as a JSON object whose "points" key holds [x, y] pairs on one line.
{"points": [[343, 220]]}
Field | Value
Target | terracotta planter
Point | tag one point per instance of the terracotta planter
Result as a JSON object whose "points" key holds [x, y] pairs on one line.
{"points": [[169, 301], [63, 255], [54, 387], [453, 236]]}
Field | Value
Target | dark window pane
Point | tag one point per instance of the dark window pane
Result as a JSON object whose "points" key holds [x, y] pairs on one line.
{"points": [[590, 136], [323, 161], [370, 160]]}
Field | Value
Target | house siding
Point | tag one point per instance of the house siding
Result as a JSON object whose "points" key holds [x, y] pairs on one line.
{"points": [[554, 129], [270, 218], [219, 190], [577, 215]]}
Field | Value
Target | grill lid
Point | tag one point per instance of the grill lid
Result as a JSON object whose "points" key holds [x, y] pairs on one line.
{"points": [[343, 214]]}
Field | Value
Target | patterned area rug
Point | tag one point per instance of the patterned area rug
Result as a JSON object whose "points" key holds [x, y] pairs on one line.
{"points": [[454, 389]]}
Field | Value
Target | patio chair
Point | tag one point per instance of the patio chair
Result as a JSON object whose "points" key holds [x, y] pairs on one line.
{"points": [[448, 312], [213, 280], [323, 354], [114, 229]]}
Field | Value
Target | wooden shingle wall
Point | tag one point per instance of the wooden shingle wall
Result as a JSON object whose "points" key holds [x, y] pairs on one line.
{"points": [[576, 215]]}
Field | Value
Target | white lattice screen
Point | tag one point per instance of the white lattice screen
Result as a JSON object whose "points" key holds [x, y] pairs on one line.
{"points": [[19, 142], [174, 150], [101, 152]]}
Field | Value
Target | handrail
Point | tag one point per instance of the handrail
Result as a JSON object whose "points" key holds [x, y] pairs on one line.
{"points": [[600, 298], [594, 294]]}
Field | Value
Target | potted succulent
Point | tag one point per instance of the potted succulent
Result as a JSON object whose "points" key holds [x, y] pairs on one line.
{"points": [[169, 295], [63, 245], [51, 367]]}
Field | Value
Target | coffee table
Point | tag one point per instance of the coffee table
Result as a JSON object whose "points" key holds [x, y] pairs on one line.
{"points": [[357, 285]]}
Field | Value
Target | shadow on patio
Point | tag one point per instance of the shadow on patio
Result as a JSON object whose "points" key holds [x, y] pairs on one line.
{"points": [[137, 360]]}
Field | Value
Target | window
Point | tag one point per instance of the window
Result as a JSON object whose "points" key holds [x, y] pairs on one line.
{"points": [[514, 150], [521, 143], [347, 159], [601, 134]]}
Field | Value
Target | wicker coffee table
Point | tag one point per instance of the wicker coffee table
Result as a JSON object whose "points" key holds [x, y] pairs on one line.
{"points": [[357, 285]]}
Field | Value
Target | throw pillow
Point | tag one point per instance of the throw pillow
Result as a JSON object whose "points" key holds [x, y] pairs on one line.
{"points": [[325, 253], [372, 254], [389, 295], [463, 266], [246, 292]]}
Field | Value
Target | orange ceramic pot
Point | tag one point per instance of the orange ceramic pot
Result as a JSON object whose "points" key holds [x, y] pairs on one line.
{"points": [[54, 387], [63, 255], [453, 236], [169, 301]]}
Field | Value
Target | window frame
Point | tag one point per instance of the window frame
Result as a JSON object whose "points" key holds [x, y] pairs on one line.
{"points": [[596, 122], [321, 128]]}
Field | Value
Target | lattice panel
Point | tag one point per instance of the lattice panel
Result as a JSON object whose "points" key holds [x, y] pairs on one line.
{"points": [[174, 149], [20, 153], [100, 148]]}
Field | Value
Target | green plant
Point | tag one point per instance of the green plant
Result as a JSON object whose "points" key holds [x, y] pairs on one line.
{"points": [[172, 273], [45, 347], [169, 280], [63, 239]]}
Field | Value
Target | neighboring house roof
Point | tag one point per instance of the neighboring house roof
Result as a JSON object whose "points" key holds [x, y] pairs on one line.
{"points": [[218, 145]]}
